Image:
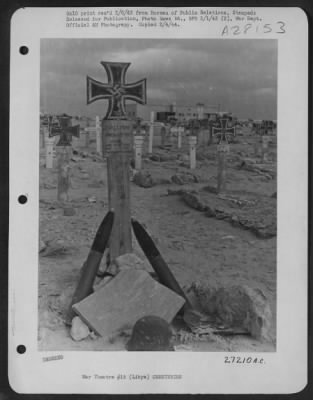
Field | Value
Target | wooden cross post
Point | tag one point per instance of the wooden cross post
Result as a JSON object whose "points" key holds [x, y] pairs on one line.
{"points": [[266, 127], [98, 136], [117, 142], [179, 134], [49, 144], [201, 136], [212, 124], [64, 154], [151, 128], [222, 132], [265, 141], [139, 139], [172, 134], [163, 135], [45, 128], [257, 130], [87, 134], [192, 151], [49, 152], [42, 137]]}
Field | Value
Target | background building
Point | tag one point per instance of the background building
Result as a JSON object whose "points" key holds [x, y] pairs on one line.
{"points": [[165, 113]]}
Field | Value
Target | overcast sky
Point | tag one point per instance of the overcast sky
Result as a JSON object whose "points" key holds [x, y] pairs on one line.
{"points": [[240, 75]]}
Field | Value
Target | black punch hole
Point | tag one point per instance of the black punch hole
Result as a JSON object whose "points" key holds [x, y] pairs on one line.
{"points": [[21, 349], [22, 199], [23, 50]]}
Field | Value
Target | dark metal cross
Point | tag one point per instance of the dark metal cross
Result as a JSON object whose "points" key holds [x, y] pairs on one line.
{"points": [[116, 90], [223, 131], [266, 127], [65, 132]]}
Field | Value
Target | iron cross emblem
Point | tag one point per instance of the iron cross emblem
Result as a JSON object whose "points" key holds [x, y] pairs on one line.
{"points": [[116, 90], [65, 132], [223, 131]]}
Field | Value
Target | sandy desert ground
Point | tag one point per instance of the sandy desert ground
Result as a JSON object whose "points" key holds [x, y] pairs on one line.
{"points": [[236, 245]]}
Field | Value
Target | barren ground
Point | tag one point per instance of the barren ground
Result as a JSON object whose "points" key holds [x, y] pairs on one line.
{"points": [[196, 247]]}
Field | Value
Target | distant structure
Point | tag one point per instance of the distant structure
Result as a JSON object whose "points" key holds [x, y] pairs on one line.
{"points": [[165, 113]]}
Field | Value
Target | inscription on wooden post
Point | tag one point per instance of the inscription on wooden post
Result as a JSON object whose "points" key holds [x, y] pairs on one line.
{"points": [[117, 145]]}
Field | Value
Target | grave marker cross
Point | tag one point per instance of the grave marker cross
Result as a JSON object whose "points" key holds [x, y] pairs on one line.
{"points": [[116, 90], [64, 153], [117, 145], [65, 132], [223, 131]]}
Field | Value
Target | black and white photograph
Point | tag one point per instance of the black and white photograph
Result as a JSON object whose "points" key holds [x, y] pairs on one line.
{"points": [[158, 200], [186, 260]]}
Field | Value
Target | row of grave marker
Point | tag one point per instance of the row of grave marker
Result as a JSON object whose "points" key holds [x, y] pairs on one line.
{"points": [[138, 147], [223, 132], [204, 135]]}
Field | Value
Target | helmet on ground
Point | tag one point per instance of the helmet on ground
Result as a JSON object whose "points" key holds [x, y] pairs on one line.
{"points": [[150, 333]]}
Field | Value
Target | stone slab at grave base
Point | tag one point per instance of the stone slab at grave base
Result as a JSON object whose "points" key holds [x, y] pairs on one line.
{"points": [[131, 295]]}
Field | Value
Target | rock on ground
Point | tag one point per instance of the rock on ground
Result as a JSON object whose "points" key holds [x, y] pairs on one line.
{"points": [[79, 329], [237, 306], [143, 179], [182, 178], [129, 260], [193, 200]]}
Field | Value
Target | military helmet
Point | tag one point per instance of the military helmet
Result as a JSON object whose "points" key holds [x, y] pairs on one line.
{"points": [[150, 333]]}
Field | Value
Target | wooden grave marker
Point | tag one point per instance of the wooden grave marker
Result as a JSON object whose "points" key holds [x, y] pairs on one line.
{"points": [[180, 131], [139, 140], [151, 133], [222, 132], [87, 134], [192, 140], [49, 144], [98, 135], [265, 147], [173, 131], [64, 154], [211, 124], [117, 145], [163, 135]]}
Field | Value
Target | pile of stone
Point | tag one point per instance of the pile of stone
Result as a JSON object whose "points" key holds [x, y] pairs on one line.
{"points": [[245, 214]]}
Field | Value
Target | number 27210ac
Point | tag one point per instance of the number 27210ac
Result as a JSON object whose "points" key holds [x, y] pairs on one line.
{"points": [[243, 360]]}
